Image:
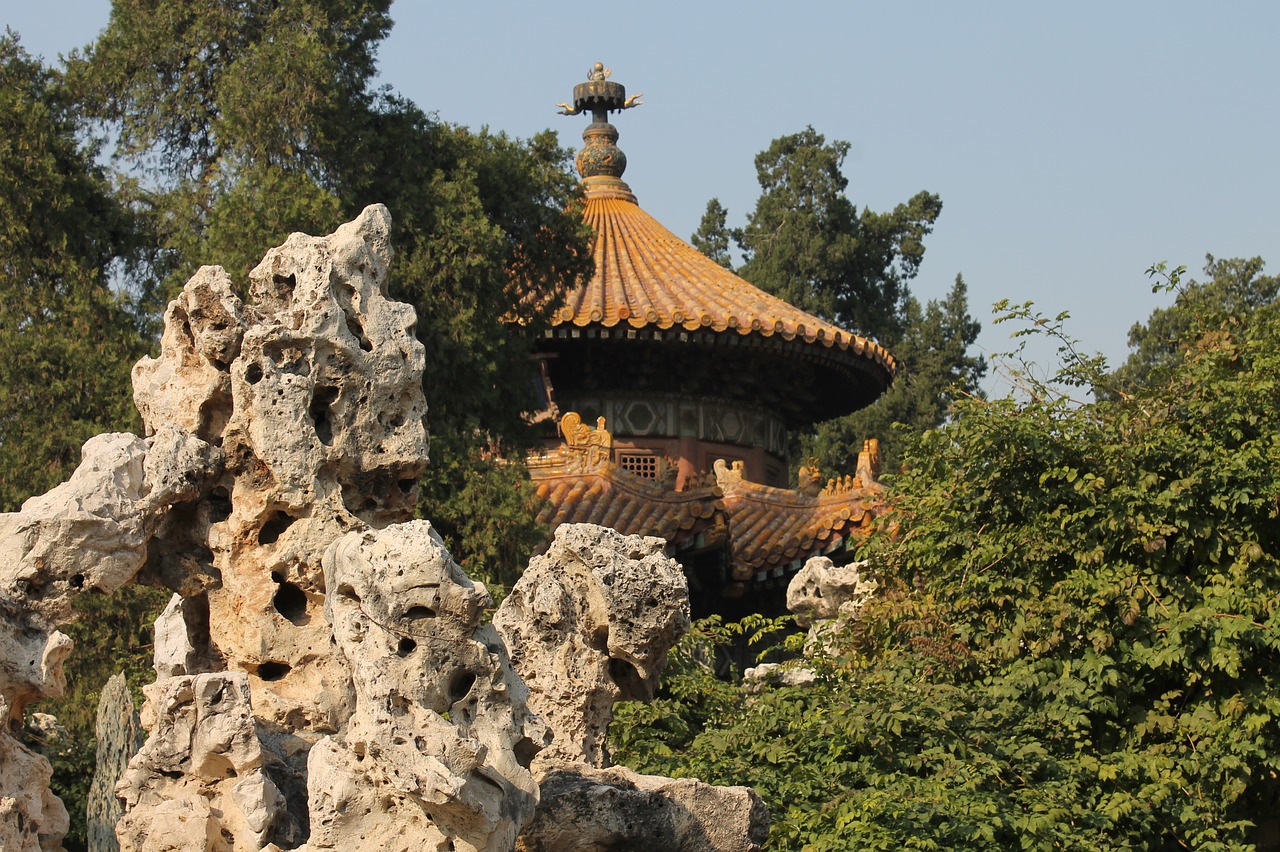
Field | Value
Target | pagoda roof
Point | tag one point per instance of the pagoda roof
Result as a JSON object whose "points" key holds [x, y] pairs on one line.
{"points": [[774, 530], [580, 483], [647, 277], [648, 281]]}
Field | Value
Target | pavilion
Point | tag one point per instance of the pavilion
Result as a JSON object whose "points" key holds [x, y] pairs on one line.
{"points": [[673, 384]]}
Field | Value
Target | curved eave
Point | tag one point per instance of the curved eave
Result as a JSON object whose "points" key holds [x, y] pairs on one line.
{"points": [[854, 361]]}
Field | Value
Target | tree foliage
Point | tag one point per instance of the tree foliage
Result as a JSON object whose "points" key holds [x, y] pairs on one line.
{"points": [[807, 243], [251, 120], [713, 234], [1077, 640], [936, 371], [1233, 287], [66, 341]]}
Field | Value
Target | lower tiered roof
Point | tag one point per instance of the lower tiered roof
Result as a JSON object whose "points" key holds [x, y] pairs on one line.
{"points": [[765, 532]]}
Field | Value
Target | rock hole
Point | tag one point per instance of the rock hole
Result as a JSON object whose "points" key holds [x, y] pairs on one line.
{"points": [[284, 285], [219, 505], [274, 528], [347, 591], [185, 331], [272, 670], [320, 402], [357, 331], [525, 750], [627, 678], [291, 602], [253, 374], [415, 613], [406, 647], [460, 684], [77, 581]]}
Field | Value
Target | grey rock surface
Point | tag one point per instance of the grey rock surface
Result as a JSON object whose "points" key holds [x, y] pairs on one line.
{"points": [[120, 737]]}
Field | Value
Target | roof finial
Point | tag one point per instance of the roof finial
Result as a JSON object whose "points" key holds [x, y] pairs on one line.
{"points": [[600, 161], [599, 95]]}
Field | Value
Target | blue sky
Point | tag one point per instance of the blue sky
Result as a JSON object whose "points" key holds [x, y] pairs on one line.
{"points": [[1073, 144]]}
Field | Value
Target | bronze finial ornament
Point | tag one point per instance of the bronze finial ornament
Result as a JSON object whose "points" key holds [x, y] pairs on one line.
{"points": [[599, 95], [600, 161]]}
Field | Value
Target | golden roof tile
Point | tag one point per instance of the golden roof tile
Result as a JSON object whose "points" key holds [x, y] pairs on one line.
{"points": [[647, 277]]}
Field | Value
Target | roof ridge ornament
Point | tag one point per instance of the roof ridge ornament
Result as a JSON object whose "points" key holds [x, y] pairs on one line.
{"points": [[600, 161]]}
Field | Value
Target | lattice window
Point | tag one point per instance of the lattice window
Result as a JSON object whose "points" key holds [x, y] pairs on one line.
{"points": [[641, 464]]}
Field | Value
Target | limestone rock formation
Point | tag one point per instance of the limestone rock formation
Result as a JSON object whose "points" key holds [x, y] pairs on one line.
{"points": [[438, 710], [324, 679], [200, 781], [825, 597], [589, 624], [119, 735], [591, 810], [89, 534]]}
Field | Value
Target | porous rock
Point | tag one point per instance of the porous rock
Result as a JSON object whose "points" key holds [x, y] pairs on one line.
{"points": [[89, 534], [585, 809], [590, 623], [202, 772], [119, 735], [821, 591], [436, 702]]}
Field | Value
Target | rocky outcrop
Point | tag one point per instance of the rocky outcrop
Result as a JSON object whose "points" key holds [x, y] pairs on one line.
{"points": [[89, 534], [590, 810], [324, 676], [825, 597], [589, 624], [436, 754], [200, 780], [120, 737]]}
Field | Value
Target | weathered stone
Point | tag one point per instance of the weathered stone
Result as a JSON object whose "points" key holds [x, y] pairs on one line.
{"points": [[120, 737], [201, 772], [590, 624], [325, 680], [437, 752], [597, 810], [777, 674], [822, 591], [31, 817]]}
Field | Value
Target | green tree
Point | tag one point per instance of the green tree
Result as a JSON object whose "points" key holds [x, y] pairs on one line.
{"points": [[1235, 287], [66, 341], [233, 117], [713, 234], [936, 370], [1076, 642], [807, 243]]}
